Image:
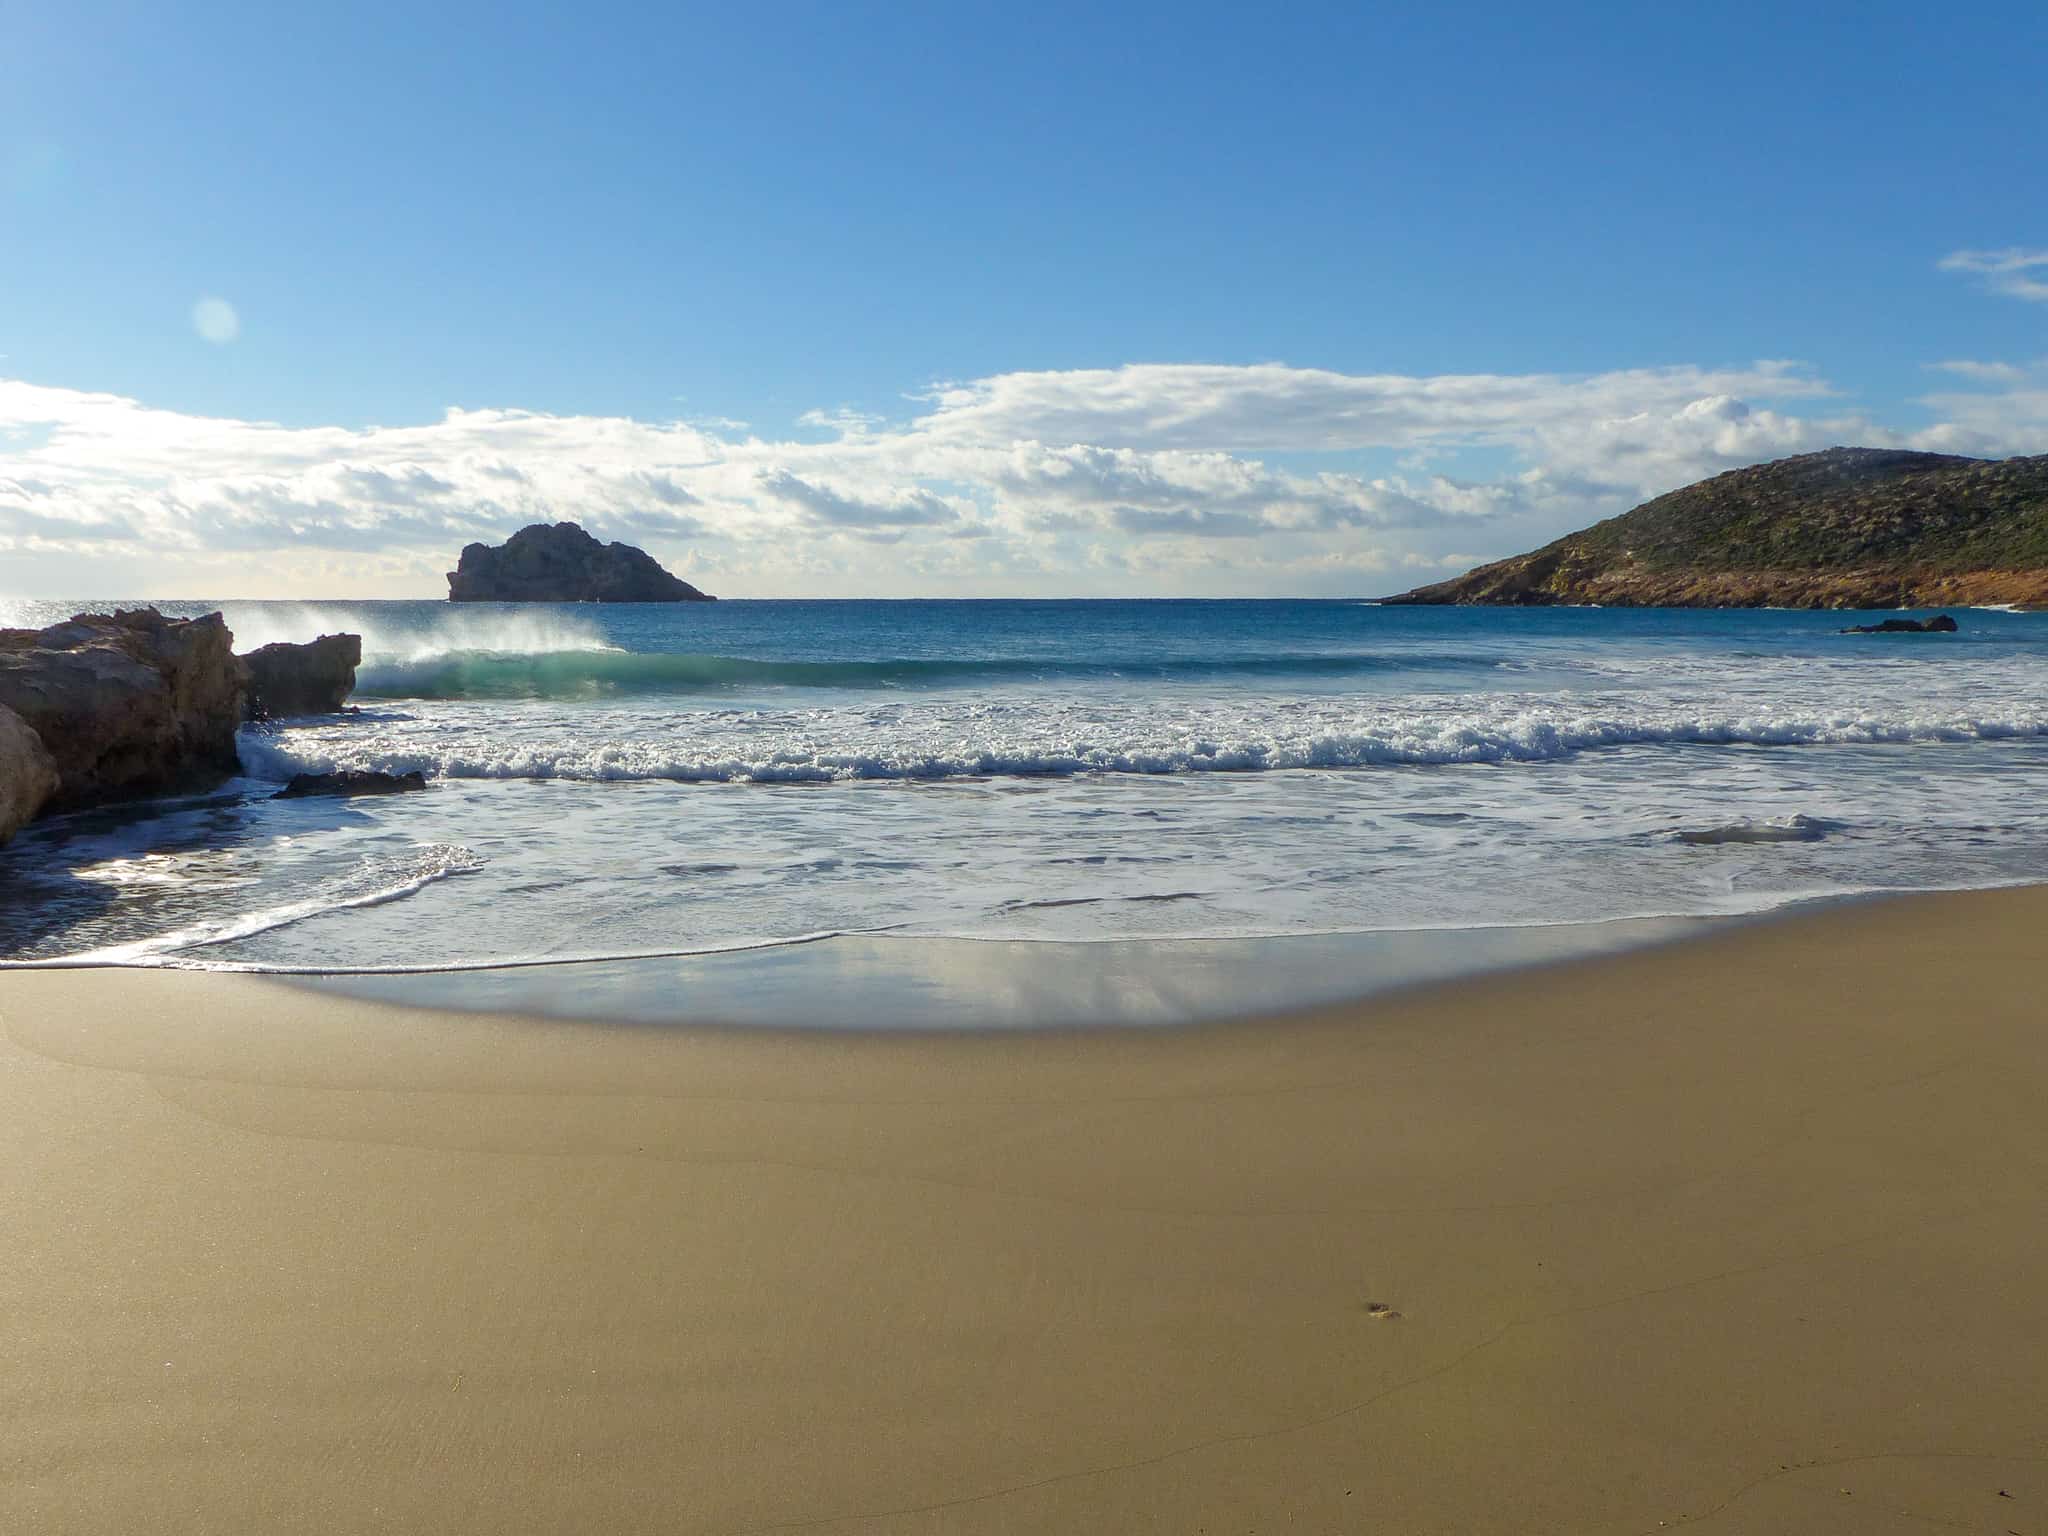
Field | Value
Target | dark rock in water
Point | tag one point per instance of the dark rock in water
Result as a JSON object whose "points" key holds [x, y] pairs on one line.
{"points": [[127, 704], [28, 774], [1795, 829], [1940, 624], [351, 781], [563, 564], [315, 678]]}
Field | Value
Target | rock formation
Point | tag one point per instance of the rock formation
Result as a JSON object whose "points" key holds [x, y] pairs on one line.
{"points": [[1847, 528], [351, 781], [1940, 624], [563, 564], [127, 704], [315, 678], [28, 774]]}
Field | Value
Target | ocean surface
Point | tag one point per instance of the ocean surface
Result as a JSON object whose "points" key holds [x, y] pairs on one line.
{"points": [[638, 781]]}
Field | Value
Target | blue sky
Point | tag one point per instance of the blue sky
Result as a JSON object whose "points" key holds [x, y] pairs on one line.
{"points": [[1106, 227]]}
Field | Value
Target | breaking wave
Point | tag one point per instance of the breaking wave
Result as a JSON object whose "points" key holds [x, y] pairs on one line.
{"points": [[597, 673], [793, 756], [399, 632]]}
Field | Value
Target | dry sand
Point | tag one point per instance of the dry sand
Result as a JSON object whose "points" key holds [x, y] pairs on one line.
{"points": [[1743, 1235]]}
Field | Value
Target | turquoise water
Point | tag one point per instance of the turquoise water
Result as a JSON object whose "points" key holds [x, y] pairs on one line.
{"points": [[652, 780]]}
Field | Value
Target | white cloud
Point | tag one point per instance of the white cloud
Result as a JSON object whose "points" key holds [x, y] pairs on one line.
{"points": [[1270, 407], [1198, 478], [2011, 417], [1983, 373], [2010, 271]]}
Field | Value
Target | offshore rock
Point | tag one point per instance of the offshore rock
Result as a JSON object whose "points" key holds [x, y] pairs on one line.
{"points": [[1845, 528], [314, 678], [28, 774], [1940, 624], [127, 704], [351, 781], [560, 563]]}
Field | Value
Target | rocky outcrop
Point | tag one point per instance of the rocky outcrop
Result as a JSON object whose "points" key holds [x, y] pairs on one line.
{"points": [[351, 781], [28, 774], [1940, 624], [127, 704], [560, 563], [1846, 528], [314, 678]]}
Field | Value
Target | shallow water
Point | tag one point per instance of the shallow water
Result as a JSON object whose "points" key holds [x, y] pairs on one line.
{"points": [[664, 780]]}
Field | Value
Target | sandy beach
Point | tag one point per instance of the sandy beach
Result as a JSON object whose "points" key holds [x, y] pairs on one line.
{"points": [[1743, 1234]]}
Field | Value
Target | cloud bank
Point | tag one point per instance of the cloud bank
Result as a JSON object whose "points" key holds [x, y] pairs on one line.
{"points": [[2015, 272], [1154, 478]]}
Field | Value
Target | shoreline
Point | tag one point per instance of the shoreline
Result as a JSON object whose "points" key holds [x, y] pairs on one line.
{"points": [[941, 985], [884, 981], [1738, 1232]]}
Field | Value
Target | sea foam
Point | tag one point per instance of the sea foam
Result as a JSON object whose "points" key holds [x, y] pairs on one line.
{"points": [[374, 881], [814, 749]]}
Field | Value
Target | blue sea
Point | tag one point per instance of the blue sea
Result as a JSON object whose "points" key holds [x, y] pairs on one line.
{"points": [[635, 781]]}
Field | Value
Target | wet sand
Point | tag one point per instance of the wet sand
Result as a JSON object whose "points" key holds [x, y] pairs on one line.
{"points": [[1742, 1234]]}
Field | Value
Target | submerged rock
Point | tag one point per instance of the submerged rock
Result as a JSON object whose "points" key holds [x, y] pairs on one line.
{"points": [[1940, 624], [351, 781], [127, 704], [1793, 829], [314, 678], [560, 563], [28, 774]]}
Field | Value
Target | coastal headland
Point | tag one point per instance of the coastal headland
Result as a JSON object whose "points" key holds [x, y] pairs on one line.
{"points": [[1736, 1235], [1843, 528]]}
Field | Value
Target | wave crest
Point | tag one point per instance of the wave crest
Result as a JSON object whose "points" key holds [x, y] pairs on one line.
{"points": [[1420, 742], [594, 673]]}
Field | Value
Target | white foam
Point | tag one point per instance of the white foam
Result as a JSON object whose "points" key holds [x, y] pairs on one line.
{"points": [[916, 746], [376, 881]]}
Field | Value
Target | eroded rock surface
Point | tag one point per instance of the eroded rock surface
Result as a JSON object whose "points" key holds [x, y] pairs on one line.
{"points": [[314, 678], [127, 704], [28, 774]]}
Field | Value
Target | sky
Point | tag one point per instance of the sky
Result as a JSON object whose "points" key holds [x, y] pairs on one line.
{"points": [[847, 300]]}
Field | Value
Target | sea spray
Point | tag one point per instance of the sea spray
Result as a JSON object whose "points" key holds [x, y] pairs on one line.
{"points": [[410, 633]]}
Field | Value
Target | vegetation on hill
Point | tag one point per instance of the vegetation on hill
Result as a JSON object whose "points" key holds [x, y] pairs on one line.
{"points": [[1845, 528]]}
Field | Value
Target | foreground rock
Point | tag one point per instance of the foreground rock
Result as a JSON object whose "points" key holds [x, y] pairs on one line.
{"points": [[28, 774], [127, 704], [563, 564], [1847, 528], [314, 678], [1940, 624], [351, 781]]}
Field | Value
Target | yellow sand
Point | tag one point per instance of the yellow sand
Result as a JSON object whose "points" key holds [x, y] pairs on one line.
{"points": [[1746, 1235]]}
